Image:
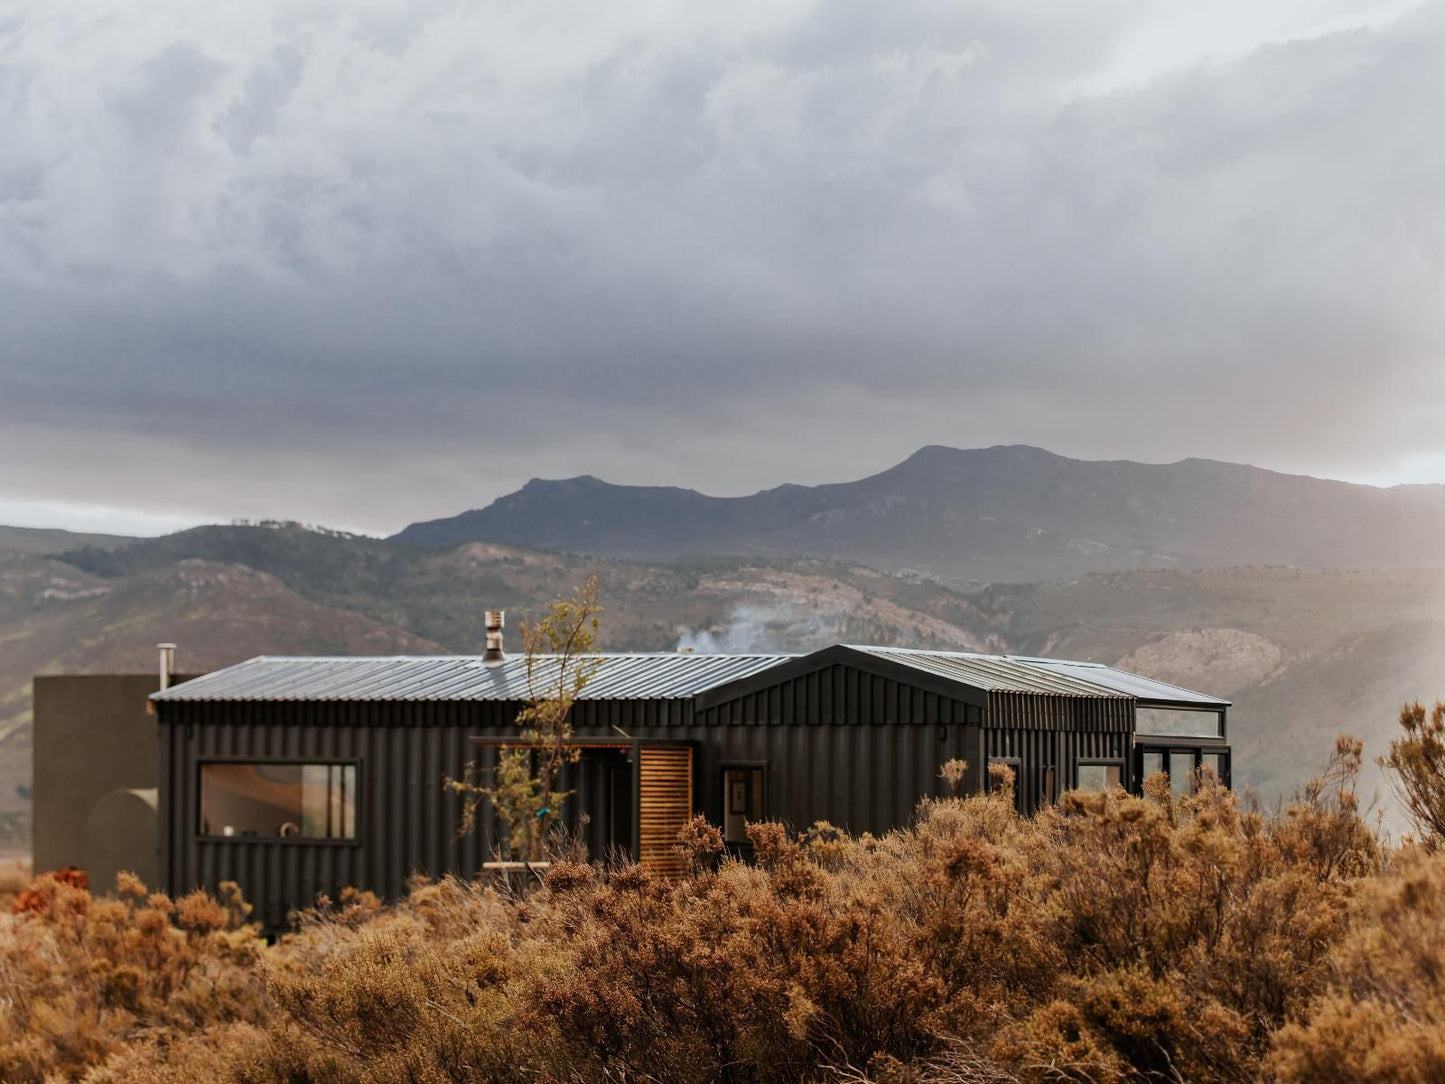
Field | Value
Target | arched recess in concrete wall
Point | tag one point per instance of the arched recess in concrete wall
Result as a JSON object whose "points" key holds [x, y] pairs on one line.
{"points": [[122, 833]]}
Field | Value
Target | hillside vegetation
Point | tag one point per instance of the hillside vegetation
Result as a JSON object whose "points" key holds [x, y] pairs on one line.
{"points": [[57, 618], [1302, 653], [225, 594], [1111, 938]]}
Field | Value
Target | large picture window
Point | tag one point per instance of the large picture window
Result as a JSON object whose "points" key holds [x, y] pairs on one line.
{"points": [[1181, 766], [1179, 723], [280, 801]]}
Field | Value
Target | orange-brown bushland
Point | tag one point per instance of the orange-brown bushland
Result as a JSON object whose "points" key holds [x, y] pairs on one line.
{"points": [[1382, 1017], [81, 976], [1112, 938]]}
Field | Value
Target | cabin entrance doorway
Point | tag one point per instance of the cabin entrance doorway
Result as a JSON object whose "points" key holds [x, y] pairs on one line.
{"points": [[627, 799]]}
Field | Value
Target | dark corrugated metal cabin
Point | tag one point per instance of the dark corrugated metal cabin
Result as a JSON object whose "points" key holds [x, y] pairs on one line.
{"points": [[300, 776]]}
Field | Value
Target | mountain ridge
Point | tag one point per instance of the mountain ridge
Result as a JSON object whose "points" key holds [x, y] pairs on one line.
{"points": [[999, 514]]}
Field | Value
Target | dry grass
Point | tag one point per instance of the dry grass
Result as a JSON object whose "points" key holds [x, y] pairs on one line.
{"points": [[1111, 939]]}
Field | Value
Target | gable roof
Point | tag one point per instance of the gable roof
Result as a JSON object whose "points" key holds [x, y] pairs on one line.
{"points": [[990, 673], [665, 676], [971, 676]]}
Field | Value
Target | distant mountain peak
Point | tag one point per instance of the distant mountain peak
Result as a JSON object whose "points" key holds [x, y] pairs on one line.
{"points": [[1007, 512], [930, 452]]}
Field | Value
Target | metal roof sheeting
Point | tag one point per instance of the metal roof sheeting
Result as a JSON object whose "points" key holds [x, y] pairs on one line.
{"points": [[642, 676], [1123, 681], [1052, 677], [464, 677], [992, 673]]}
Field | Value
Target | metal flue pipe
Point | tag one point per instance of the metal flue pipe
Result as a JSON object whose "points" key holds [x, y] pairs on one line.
{"points": [[494, 655]]}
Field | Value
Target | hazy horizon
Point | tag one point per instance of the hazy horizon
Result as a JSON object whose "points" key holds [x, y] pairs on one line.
{"points": [[99, 519], [365, 268]]}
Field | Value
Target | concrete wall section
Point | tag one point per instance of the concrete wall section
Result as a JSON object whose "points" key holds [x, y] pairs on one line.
{"points": [[95, 741]]}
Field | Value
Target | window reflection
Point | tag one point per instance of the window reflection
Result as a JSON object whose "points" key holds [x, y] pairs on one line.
{"points": [[742, 801], [1100, 776], [1152, 764], [304, 801], [1178, 723], [1181, 766]]}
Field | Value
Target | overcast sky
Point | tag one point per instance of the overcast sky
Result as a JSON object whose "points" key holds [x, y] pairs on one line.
{"points": [[265, 259]]}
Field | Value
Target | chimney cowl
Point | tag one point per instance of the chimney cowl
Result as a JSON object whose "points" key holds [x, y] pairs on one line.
{"points": [[494, 655]]}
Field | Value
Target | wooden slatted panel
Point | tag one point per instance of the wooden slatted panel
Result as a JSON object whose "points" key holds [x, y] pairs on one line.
{"points": [[664, 806]]}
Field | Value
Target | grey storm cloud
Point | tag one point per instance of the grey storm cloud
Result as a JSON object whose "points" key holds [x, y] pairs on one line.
{"points": [[368, 264]]}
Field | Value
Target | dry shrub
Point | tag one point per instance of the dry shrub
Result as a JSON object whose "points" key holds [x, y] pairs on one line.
{"points": [[81, 977], [418, 992], [1382, 1018], [35, 897], [1112, 938], [1417, 769], [1193, 929]]}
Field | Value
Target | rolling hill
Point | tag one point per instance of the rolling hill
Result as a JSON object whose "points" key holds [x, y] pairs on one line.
{"points": [[1009, 513], [44, 540], [1304, 653], [227, 593], [55, 618]]}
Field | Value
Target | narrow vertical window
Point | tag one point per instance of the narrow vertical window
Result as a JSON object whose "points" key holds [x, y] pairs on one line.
{"points": [[1015, 767], [1213, 762], [1181, 769], [742, 801], [1150, 764]]}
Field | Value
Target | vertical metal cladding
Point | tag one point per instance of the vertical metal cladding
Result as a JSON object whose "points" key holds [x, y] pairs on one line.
{"points": [[841, 744], [407, 819], [1047, 736]]}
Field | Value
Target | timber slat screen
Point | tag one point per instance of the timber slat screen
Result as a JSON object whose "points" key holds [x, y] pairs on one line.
{"points": [[664, 806]]}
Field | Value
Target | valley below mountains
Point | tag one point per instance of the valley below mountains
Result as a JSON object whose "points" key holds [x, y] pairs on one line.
{"points": [[1317, 607]]}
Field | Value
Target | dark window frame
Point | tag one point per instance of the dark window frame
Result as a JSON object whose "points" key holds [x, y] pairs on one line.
{"points": [[1146, 750], [1226, 758], [1196, 750], [722, 804], [1221, 710], [283, 841]]}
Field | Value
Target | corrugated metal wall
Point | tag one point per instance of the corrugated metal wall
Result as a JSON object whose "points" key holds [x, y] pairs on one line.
{"points": [[1049, 735], [1038, 751], [853, 748], [841, 695], [1035, 711], [406, 821]]}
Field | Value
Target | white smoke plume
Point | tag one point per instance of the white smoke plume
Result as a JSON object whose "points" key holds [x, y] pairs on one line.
{"points": [[761, 628]]}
